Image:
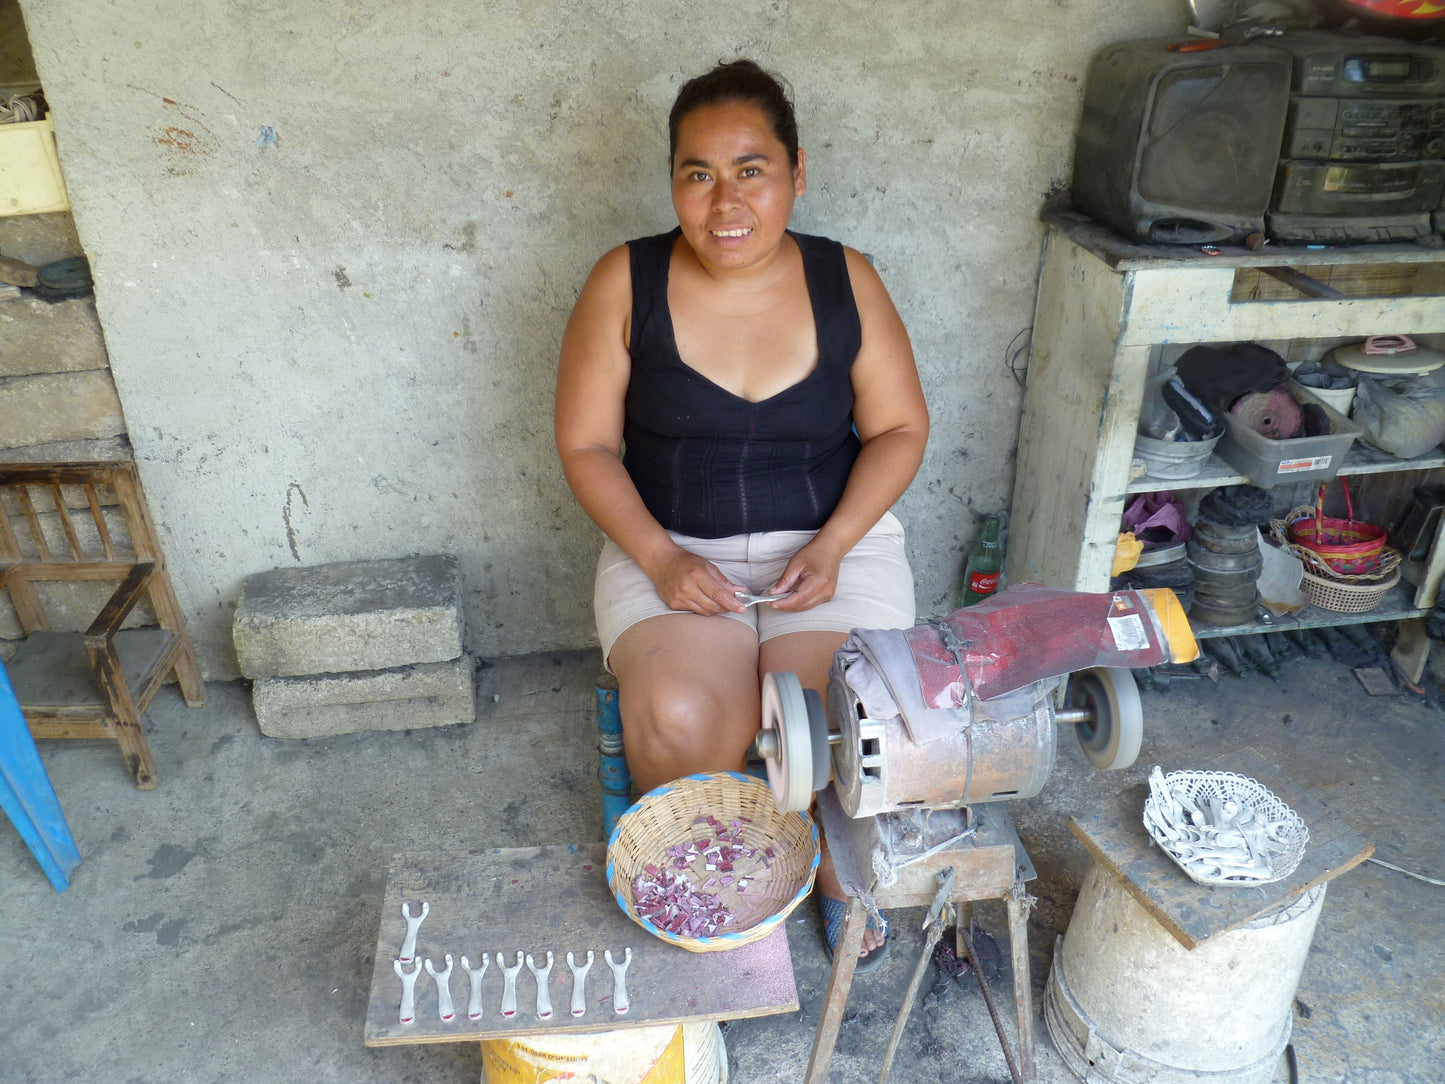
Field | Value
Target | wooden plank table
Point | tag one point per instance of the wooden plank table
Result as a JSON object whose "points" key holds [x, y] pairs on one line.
{"points": [[534, 899], [1115, 836]]}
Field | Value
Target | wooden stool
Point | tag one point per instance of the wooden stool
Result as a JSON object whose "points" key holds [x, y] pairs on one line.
{"points": [[989, 865], [97, 680]]}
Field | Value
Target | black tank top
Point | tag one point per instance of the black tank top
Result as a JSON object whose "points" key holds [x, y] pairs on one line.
{"points": [[709, 463]]}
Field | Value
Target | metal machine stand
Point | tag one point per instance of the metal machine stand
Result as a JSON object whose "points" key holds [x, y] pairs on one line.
{"points": [[989, 863]]}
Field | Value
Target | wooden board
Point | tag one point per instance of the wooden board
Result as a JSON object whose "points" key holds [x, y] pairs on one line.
{"points": [[986, 865], [1193, 913], [534, 899]]}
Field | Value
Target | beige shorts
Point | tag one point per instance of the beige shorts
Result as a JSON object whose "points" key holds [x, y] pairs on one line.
{"points": [[875, 584]]}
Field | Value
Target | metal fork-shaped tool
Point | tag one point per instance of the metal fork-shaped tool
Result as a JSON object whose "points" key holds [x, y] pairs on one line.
{"points": [[747, 598], [408, 990], [445, 1010], [620, 1004], [509, 982], [413, 923], [544, 996], [474, 1003], [579, 983]]}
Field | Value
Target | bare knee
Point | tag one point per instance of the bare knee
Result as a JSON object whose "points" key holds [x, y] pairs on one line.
{"points": [[673, 728]]}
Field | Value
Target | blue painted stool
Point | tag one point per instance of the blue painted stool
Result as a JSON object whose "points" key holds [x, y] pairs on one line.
{"points": [[27, 796], [612, 763]]}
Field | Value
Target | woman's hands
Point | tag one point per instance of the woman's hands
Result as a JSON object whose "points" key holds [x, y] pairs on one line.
{"points": [[811, 577], [685, 581]]}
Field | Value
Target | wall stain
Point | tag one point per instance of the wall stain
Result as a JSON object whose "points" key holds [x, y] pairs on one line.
{"points": [[291, 490], [227, 93], [342, 280]]}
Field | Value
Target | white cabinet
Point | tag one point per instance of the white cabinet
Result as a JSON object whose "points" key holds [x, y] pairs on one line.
{"points": [[1105, 307]]}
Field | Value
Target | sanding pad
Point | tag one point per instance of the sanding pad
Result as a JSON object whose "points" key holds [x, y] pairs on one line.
{"points": [[1275, 414]]}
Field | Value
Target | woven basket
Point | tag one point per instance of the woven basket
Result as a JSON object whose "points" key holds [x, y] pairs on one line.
{"points": [[1347, 546], [1202, 788], [1355, 596], [668, 817]]}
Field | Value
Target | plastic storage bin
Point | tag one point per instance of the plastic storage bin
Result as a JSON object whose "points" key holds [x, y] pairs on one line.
{"points": [[1269, 462], [30, 180]]}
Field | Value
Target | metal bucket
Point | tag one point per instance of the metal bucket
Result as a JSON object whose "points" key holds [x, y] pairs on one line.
{"points": [[1127, 1003], [1173, 458]]}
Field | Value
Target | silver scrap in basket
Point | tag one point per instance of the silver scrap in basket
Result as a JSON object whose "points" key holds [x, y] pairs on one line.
{"points": [[1222, 828]]}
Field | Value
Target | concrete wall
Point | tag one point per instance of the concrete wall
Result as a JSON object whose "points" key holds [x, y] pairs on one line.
{"points": [[342, 344]]}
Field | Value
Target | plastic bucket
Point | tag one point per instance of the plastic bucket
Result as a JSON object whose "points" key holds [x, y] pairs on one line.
{"points": [[676, 1054], [1127, 1003], [1340, 399], [1173, 458]]}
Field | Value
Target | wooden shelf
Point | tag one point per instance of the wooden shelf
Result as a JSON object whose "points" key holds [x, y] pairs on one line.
{"points": [[1398, 605], [1361, 459], [1105, 309]]}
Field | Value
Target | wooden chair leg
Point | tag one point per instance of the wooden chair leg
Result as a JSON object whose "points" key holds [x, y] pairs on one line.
{"points": [[840, 984], [1018, 939], [126, 722], [168, 612]]}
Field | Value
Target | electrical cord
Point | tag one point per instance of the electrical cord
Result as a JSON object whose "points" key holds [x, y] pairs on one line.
{"points": [[1406, 872], [1012, 352], [18, 110]]}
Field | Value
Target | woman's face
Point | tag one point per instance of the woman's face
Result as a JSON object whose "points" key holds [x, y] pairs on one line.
{"points": [[733, 186]]}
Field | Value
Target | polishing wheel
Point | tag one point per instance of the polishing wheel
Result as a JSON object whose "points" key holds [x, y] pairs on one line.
{"points": [[793, 741], [1274, 414], [1104, 703]]}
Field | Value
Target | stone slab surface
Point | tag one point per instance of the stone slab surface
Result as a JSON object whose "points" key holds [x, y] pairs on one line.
{"points": [[349, 616], [404, 698], [43, 337], [55, 407]]}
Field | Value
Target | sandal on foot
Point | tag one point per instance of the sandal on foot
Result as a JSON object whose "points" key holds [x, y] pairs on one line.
{"points": [[834, 911]]}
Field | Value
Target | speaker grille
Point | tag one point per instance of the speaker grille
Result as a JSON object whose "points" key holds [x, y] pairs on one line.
{"points": [[1212, 139]]}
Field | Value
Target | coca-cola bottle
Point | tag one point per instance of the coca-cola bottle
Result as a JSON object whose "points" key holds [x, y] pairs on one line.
{"points": [[980, 574]]}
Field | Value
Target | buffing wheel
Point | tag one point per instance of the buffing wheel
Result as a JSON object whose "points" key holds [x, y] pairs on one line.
{"points": [[789, 756], [1112, 738]]}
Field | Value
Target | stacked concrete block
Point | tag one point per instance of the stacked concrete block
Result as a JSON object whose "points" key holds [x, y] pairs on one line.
{"points": [[355, 646], [58, 401]]}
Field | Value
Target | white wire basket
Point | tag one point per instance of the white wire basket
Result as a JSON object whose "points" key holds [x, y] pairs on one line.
{"points": [[1222, 828]]}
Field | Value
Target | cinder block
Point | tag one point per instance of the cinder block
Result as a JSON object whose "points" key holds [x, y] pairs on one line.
{"points": [[59, 407], [354, 615], [44, 337], [404, 698]]}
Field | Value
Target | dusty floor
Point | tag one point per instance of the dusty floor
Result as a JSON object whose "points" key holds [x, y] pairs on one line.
{"points": [[221, 927]]}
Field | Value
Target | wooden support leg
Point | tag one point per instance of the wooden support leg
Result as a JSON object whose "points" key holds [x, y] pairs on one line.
{"points": [[126, 724], [840, 983], [1412, 649], [1018, 939], [168, 612]]}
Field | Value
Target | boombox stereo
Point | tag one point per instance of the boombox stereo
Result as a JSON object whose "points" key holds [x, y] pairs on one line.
{"points": [[1313, 137]]}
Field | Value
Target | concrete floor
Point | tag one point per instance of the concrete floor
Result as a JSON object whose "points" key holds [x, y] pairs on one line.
{"points": [[221, 927]]}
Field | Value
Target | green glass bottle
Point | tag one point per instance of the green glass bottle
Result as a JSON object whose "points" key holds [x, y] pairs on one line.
{"points": [[980, 574]]}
